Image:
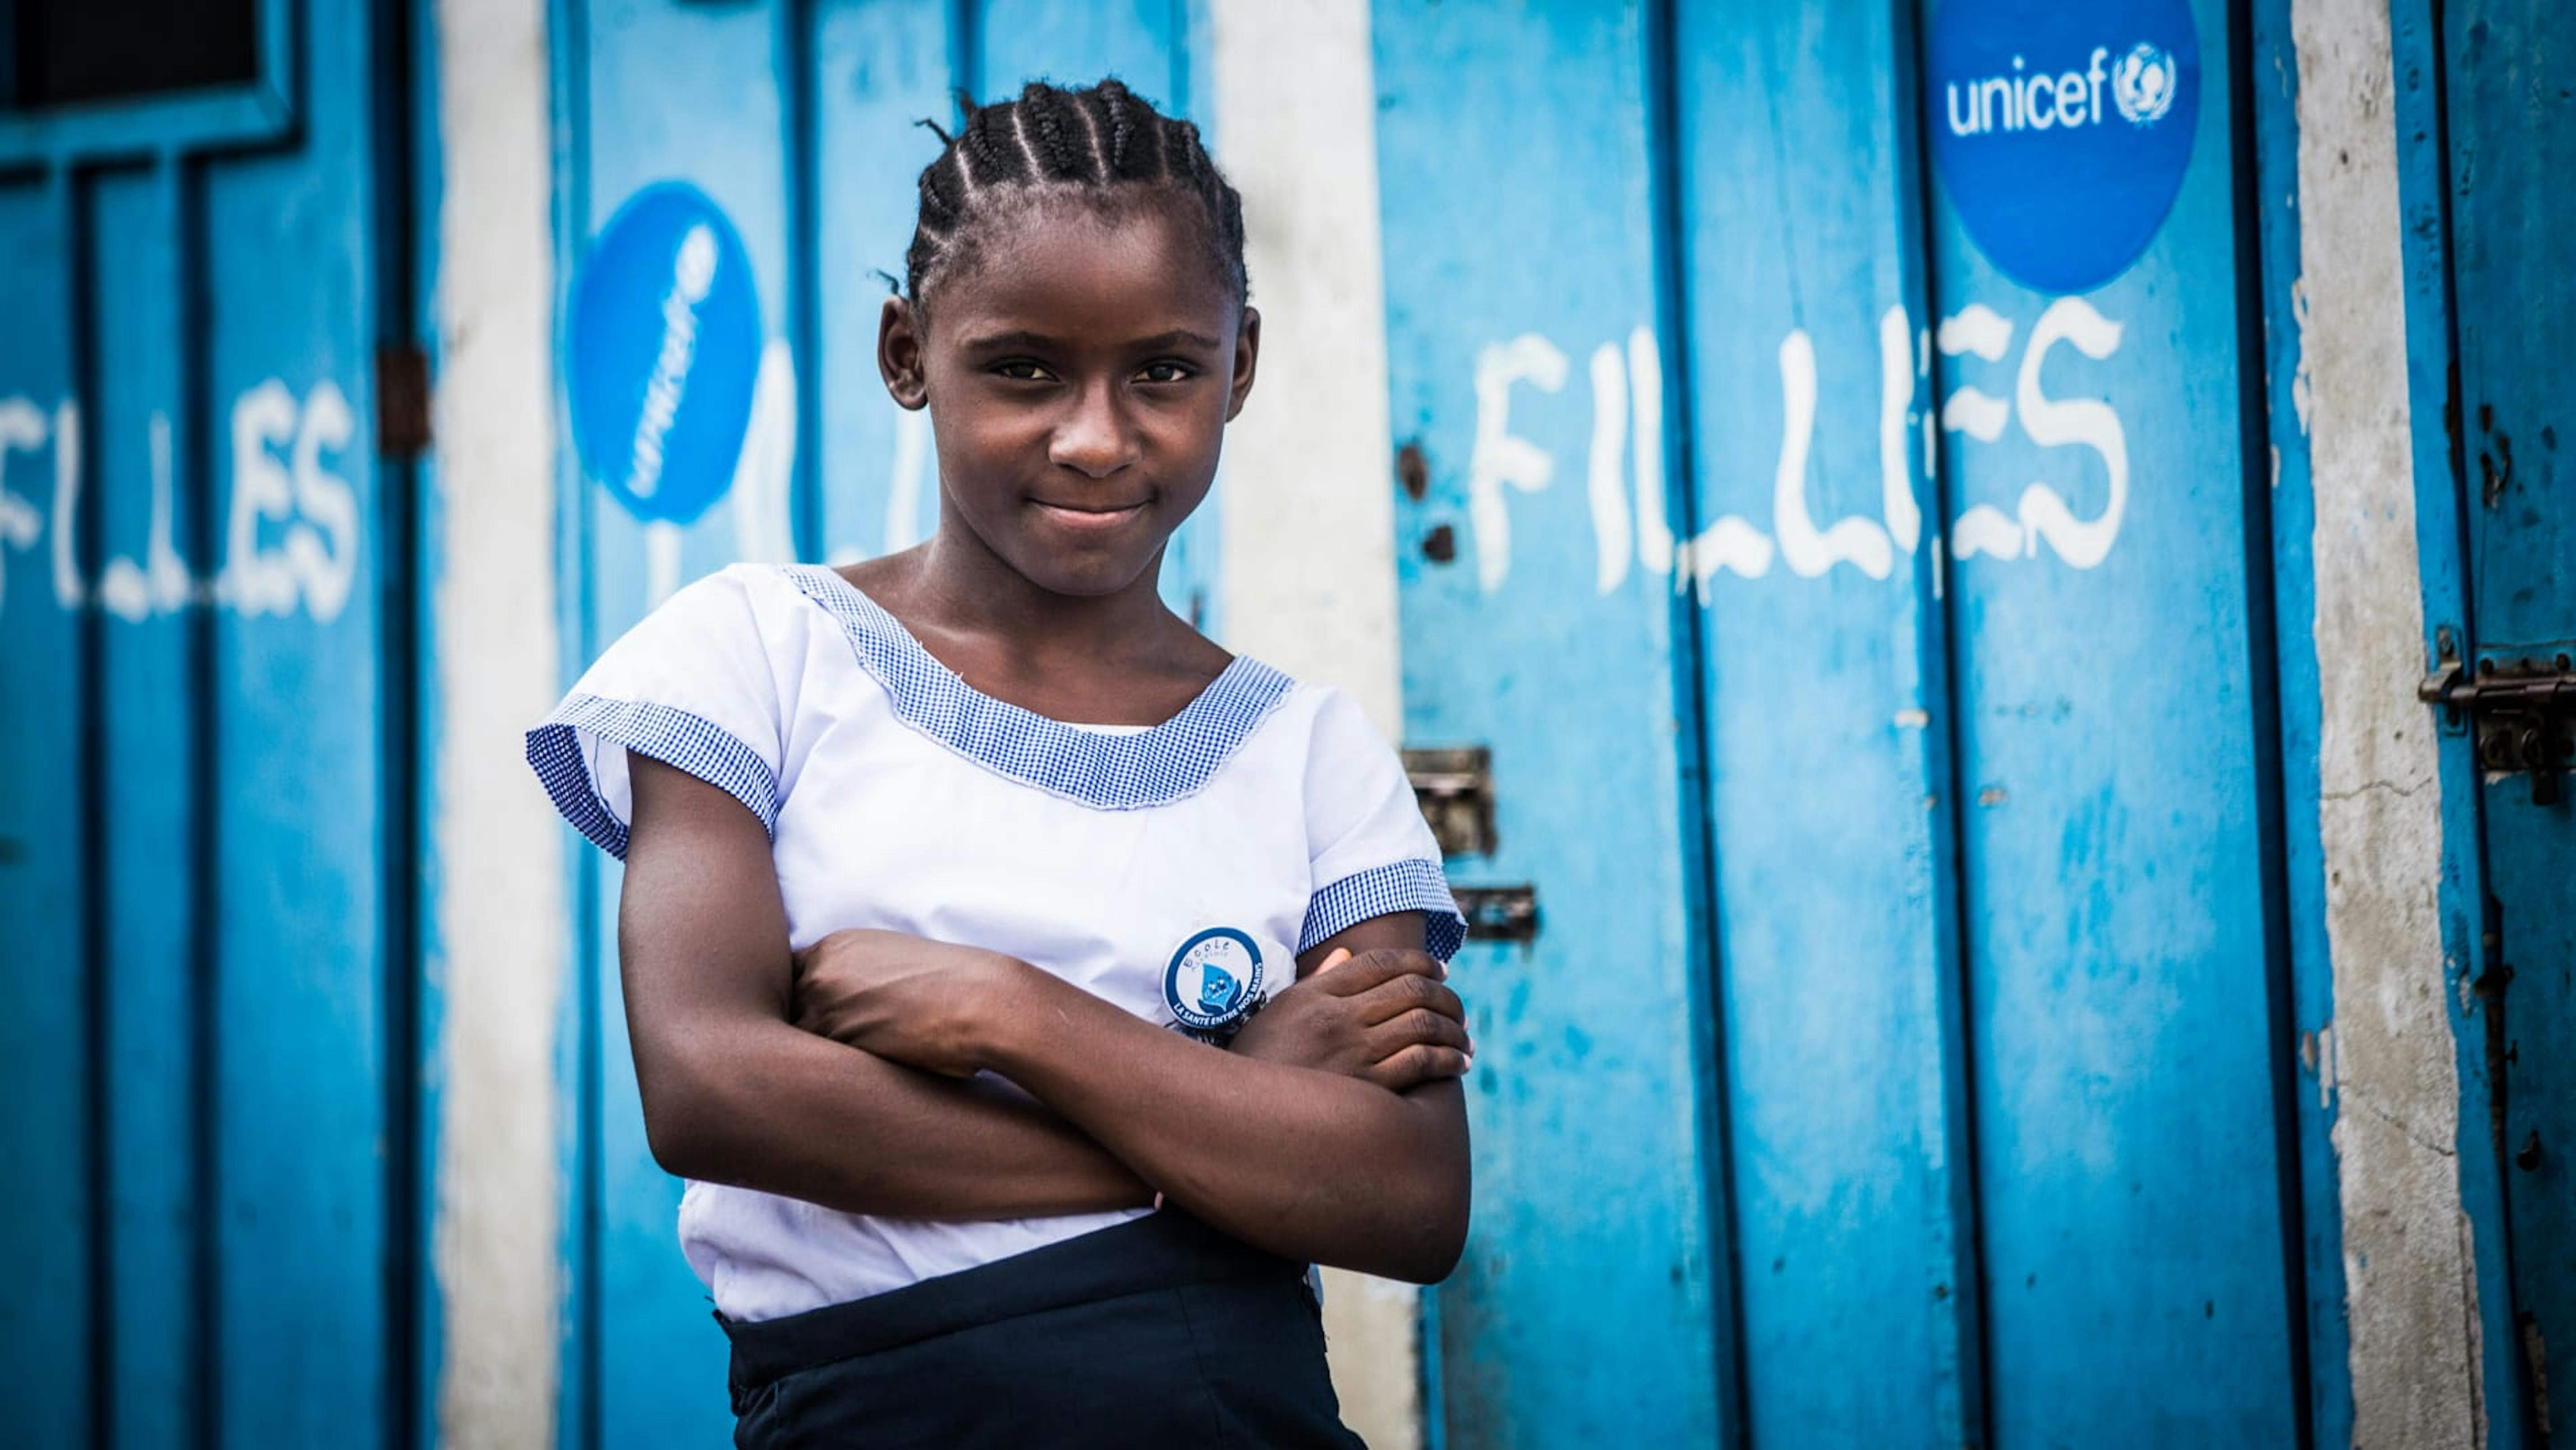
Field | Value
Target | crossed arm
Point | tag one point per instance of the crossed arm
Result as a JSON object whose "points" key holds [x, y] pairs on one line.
{"points": [[1312, 1155]]}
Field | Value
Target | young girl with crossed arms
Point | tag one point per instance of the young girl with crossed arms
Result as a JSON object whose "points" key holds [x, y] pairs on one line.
{"points": [[955, 879]]}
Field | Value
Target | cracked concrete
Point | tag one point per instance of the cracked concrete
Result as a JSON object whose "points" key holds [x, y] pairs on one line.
{"points": [[2411, 1294]]}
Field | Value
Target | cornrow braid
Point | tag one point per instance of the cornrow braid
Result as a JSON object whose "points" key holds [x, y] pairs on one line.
{"points": [[1100, 139]]}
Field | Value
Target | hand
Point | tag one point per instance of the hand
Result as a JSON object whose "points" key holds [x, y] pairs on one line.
{"points": [[904, 998], [1382, 1016]]}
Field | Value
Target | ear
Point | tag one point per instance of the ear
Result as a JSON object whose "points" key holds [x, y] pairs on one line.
{"points": [[900, 354], [1247, 352]]}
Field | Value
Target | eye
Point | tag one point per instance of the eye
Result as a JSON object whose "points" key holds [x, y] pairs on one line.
{"points": [[1167, 371], [1022, 370]]}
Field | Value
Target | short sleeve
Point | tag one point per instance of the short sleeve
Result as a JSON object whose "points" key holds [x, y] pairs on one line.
{"points": [[1372, 852], [692, 686]]}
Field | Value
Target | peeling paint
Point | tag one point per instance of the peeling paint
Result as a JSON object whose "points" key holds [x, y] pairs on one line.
{"points": [[2389, 1059]]}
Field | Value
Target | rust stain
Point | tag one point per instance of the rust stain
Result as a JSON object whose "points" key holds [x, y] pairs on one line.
{"points": [[1440, 546], [1993, 795], [1413, 470]]}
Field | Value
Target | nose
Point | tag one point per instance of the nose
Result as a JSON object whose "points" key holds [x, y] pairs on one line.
{"points": [[1095, 438]]}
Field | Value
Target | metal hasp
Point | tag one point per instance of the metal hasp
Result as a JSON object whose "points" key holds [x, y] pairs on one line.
{"points": [[2523, 710], [1499, 913], [1455, 785]]}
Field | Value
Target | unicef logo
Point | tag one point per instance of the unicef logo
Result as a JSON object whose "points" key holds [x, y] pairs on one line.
{"points": [[662, 353], [2024, 102], [1214, 980], [2142, 84]]}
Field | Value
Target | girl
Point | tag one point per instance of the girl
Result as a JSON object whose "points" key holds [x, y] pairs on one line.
{"points": [[954, 880]]}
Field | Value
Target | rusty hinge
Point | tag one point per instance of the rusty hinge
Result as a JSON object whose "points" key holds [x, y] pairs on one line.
{"points": [[2522, 711], [402, 399]]}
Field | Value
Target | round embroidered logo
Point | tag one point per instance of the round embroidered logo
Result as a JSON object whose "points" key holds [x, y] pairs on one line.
{"points": [[1214, 979]]}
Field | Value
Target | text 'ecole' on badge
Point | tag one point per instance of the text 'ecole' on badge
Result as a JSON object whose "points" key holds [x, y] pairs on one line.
{"points": [[1214, 980]]}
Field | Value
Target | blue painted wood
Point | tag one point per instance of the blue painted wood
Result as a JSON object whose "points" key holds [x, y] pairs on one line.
{"points": [[298, 1002], [152, 797], [2424, 178], [881, 69], [1802, 280], [141, 128], [193, 871], [46, 1326], [2274, 98], [801, 126], [1521, 245], [2511, 130], [648, 1321], [2121, 992]]}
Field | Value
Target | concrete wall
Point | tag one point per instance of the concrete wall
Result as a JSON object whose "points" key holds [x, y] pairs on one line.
{"points": [[1308, 566], [2411, 1280], [501, 932]]}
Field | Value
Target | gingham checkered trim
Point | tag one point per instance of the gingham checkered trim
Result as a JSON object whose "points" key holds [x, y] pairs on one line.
{"points": [[1403, 886], [674, 737], [1156, 767]]}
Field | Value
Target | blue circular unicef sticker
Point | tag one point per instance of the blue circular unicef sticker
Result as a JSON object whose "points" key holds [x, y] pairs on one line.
{"points": [[662, 352], [1214, 979], [2063, 131]]}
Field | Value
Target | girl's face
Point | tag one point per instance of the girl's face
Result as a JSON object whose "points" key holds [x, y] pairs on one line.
{"points": [[1080, 372]]}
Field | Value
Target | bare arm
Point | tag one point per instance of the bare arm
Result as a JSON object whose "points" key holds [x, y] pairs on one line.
{"points": [[1308, 1164], [1267, 1142], [734, 1094]]}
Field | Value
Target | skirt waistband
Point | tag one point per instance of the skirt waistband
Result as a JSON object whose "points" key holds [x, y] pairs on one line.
{"points": [[1158, 1251]]}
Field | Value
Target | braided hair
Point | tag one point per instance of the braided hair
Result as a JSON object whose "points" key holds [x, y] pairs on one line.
{"points": [[1099, 141]]}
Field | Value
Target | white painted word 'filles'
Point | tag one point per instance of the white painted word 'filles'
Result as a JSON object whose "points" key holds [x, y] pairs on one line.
{"points": [[1630, 524], [292, 528]]}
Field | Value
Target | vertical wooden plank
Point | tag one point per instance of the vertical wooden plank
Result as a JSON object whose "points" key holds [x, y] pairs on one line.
{"points": [[145, 592], [2512, 142], [2472, 955], [2274, 98], [2130, 1177], [1520, 238], [299, 1178], [880, 68], [1806, 345], [660, 1359], [46, 1220]]}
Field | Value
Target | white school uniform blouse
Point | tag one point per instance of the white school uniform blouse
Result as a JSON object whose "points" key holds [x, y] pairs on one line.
{"points": [[1163, 869]]}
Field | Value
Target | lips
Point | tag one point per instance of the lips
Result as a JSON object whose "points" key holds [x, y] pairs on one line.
{"points": [[1095, 518]]}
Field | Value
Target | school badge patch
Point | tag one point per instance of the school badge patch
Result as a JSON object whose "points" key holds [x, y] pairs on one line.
{"points": [[1214, 981]]}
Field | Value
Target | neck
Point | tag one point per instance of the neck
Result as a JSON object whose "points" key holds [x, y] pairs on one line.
{"points": [[966, 588]]}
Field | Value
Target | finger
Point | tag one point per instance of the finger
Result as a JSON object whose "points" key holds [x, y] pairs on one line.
{"points": [[1415, 1066], [1419, 1027], [1398, 995], [1370, 969], [1339, 956]]}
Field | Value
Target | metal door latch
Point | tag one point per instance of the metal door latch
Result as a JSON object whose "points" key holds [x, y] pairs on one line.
{"points": [[1455, 788], [1498, 913], [2523, 712]]}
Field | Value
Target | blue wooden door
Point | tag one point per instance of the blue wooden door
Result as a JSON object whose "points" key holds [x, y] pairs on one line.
{"points": [[2511, 140], [204, 845], [1915, 1072], [1527, 254], [799, 122]]}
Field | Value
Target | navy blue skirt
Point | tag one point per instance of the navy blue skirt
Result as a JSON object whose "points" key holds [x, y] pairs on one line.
{"points": [[1161, 1331]]}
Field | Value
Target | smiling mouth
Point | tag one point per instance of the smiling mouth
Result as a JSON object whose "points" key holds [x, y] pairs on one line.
{"points": [[1088, 516]]}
